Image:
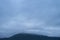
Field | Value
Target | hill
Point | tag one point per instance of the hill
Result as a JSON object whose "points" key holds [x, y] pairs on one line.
{"points": [[30, 37]]}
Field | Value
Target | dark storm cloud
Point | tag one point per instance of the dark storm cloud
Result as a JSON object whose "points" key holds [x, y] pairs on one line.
{"points": [[29, 16]]}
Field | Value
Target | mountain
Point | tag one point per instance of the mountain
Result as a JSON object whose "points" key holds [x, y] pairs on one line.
{"points": [[24, 36]]}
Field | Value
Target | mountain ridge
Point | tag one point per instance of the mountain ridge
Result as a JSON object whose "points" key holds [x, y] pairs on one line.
{"points": [[24, 36]]}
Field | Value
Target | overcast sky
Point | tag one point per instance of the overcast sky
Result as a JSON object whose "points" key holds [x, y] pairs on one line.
{"points": [[30, 16]]}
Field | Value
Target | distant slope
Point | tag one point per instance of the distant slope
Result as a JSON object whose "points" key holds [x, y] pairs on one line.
{"points": [[30, 37]]}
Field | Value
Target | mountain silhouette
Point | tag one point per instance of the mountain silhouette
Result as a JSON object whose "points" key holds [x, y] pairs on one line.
{"points": [[24, 36]]}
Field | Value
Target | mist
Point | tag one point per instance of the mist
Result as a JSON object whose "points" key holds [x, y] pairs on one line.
{"points": [[40, 17]]}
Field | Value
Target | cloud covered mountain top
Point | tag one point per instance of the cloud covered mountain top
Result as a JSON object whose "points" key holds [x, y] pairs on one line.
{"points": [[29, 16]]}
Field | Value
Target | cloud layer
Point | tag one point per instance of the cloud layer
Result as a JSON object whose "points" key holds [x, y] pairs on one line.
{"points": [[40, 17]]}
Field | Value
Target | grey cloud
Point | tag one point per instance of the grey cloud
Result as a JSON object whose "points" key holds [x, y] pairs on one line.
{"points": [[30, 16]]}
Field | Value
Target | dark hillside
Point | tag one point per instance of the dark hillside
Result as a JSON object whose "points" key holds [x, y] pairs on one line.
{"points": [[30, 37]]}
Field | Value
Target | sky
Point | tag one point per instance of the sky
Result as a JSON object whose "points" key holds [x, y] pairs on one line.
{"points": [[40, 17]]}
